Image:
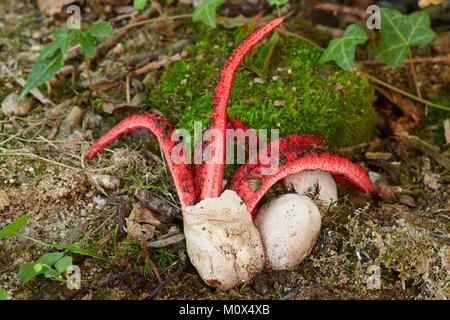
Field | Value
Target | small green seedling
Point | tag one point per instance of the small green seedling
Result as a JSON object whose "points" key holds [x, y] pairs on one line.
{"points": [[52, 265], [12, 230], [50, 60], [164, 257]]}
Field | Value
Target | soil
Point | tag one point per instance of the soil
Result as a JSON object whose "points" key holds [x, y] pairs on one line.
{"points": [[387, 245]]}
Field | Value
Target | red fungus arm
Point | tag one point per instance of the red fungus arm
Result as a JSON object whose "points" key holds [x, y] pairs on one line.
{"points": [[234, 124], [162, 129], [251, 185], [213, 173]]}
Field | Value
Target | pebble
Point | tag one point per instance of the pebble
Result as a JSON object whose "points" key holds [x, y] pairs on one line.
{"points": [[11, 106], [106, 181], [4, 200], [72, 121]]}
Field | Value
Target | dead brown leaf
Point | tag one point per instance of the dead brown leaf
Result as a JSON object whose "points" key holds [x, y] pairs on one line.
{"points": [[412, 113], [51, 7]]}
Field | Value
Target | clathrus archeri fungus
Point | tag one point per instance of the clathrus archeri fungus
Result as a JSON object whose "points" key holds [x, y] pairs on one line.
{"points": [[222, 241]]}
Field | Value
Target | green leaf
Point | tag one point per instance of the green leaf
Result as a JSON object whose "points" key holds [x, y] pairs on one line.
{"points": [[398, 32], [278, 3], [42, 71], [63, 263], [139, 4], [3, 294], [38, 268], [12, 229], [27, 272], [50, 273], [50, 258], [206, 12], [342, 50], [86, 41], [76, 248], [101, 31], [61, 41]]}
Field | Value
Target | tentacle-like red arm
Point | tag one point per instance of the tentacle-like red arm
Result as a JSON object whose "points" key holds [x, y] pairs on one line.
{"points": [[251, 184], [234, 124], [162, 129], [213, 173]]}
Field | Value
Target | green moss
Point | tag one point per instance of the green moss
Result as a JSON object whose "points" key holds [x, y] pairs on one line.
{"points": [[300, 94]]}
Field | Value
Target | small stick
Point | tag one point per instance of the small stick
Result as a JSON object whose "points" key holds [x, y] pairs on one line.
{"points": [[165, 283], [336, 8], [436, 59], [447, 131]]}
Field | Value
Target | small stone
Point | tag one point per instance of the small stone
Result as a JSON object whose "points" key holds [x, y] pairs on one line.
{"points": [[4, 200], [362, 256], [11, 106], [261, 283], [279, 103], [106, 181], [72, 121], [339, 86], [119, 49], [407, 200]]}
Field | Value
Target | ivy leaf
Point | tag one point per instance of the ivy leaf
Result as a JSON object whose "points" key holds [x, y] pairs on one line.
{"points": [[139, 4], [206, 12], [278, 3], [42, 71], [342, 50], [101, 31], [12, 229], [86, 41], [62, 264], [27, 272], [399, 32]]}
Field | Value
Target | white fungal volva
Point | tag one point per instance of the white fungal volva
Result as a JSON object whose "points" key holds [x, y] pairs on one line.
{"points": [[289, 227], [316, 182], [222, 241]]}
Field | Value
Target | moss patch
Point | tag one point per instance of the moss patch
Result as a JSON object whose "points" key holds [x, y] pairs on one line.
{"points": [[300, 93]]}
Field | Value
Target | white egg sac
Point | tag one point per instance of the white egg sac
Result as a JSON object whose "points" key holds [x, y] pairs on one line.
{"points": [[289, 227], [314, 181]]}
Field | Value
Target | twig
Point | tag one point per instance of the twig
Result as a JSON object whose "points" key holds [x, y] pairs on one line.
{"points": [[436, 59], [336, 8], [406, 94], [164, 283], [428, 149], [150, 261], [140, 23], [447, 131], [34, 156], [413, 71], [157, 64]]}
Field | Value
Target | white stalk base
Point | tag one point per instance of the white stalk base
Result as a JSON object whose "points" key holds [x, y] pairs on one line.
{"points": [[222, 241]]}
